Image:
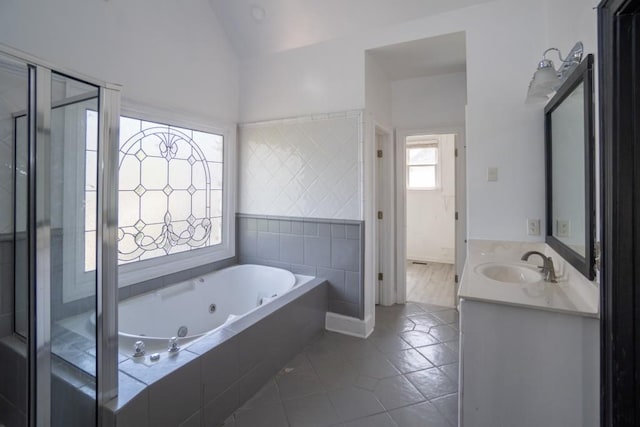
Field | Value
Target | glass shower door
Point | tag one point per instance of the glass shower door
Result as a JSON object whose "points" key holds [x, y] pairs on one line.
{"points": [[58, 225], [14, 100], [73, 241]]}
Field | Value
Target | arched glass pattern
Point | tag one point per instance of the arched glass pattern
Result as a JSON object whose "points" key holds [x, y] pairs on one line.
{"points": [[170, 190]]}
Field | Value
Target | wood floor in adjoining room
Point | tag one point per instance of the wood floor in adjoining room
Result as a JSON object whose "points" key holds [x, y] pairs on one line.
{"points": [[433, 283]]}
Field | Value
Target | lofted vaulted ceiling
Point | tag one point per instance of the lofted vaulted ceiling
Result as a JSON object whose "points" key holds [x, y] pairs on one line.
{"points": [[259, 27]]}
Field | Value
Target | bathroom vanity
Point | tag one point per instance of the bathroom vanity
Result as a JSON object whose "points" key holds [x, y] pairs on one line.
{"points": [[529, 349], [530, 337]]}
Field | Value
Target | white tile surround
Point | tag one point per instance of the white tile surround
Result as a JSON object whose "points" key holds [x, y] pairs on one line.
{"points": [[305, 167]]}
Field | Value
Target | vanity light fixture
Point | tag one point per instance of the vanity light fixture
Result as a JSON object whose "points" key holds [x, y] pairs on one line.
{"points": [[546, 80]]}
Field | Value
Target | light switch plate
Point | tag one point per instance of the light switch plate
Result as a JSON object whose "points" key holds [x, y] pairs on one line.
{"points": [[533, 227], [492, 174]]}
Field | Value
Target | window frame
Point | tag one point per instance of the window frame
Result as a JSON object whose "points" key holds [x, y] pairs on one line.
{"points": [[140, 271], [420, 144]]}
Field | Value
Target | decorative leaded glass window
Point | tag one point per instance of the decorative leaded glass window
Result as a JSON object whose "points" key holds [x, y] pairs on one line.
{"points": [[170, 190]]}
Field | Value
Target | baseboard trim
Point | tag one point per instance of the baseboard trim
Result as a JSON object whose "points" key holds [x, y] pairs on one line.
{"points": [[349, 325]]}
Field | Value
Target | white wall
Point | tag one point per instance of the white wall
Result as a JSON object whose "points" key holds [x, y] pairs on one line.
{"points": [[377, 96], [172, 55], [429, 102], [569, 21], [319, 79], [431, 213], [501, 130]]}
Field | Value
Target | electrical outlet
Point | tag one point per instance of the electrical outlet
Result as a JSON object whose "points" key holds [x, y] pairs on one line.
{"points": [[533, 227], [563, 228], [492, 174]]}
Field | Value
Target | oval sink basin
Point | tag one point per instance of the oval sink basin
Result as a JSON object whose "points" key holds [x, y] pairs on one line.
{"points": [[509, 273]]}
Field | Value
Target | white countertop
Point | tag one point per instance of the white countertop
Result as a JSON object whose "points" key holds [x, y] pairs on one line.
{"points": [[573, 294]]}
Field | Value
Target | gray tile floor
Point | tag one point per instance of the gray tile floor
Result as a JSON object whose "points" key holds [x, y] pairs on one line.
{"points": [[405, 374]]}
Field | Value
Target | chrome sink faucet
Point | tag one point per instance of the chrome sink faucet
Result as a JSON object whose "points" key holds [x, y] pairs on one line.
{"points": [[547, 266]]}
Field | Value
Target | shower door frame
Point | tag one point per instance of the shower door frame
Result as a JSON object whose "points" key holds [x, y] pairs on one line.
{"points": [[39, 238]]}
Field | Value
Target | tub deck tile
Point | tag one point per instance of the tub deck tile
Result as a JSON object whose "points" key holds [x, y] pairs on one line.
{"points": [[205, 344], [149, 372], [211, 378]]}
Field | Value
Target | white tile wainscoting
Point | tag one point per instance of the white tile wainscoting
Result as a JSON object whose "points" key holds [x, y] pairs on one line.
{"points": [[306, 167]]}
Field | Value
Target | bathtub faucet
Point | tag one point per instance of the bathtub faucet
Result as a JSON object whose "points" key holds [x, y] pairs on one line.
{"points": [[547, 266], [173, 345], [138, 349]]}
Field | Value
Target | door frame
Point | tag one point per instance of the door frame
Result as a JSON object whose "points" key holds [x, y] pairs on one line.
{"points": [[619, 67], [401, 201], [384, 188]]}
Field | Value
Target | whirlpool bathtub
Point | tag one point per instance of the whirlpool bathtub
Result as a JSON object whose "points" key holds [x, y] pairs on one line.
{"points": [[191, 309]]}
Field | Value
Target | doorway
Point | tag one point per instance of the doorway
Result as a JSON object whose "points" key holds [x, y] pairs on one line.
{"points": [[430, 194]]}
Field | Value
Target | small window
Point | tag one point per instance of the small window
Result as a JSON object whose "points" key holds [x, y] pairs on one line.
{"points": [[422, 167]]}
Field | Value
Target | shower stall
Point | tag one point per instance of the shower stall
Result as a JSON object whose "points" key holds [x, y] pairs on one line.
{"points": [[58, 207]]}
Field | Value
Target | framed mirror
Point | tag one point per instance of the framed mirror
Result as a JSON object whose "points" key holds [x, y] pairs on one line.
{"points": [[569, 153]]}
